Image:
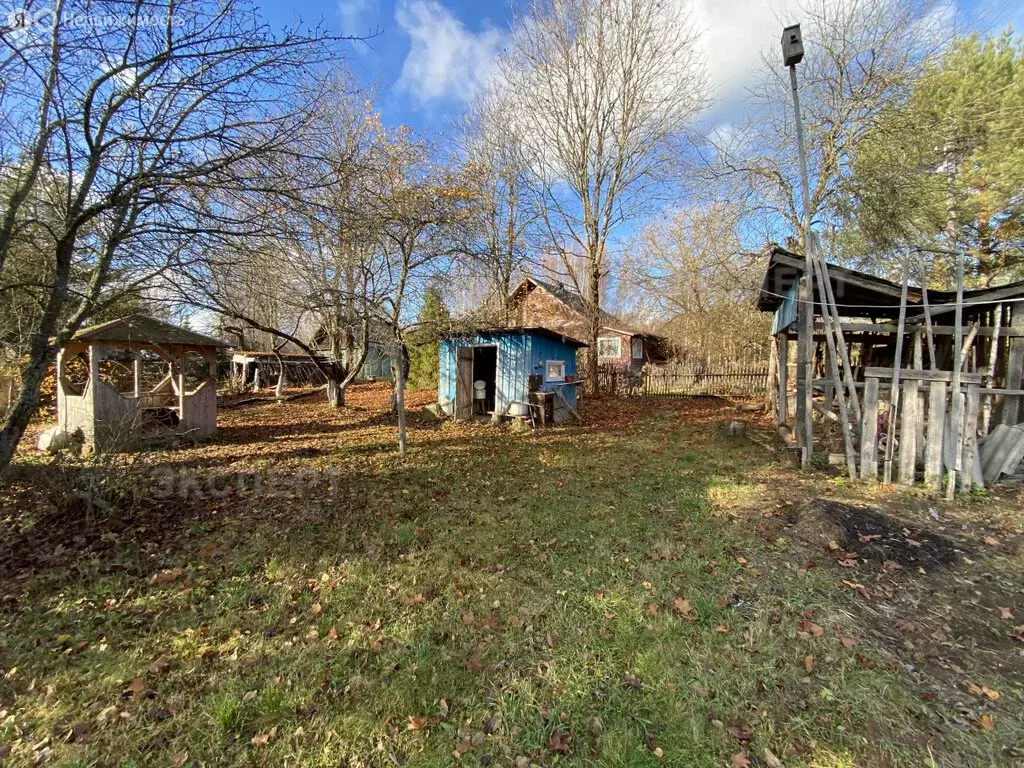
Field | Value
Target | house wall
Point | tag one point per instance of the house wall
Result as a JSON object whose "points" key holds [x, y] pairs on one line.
{"points": [[538, 307], [625, 349]]}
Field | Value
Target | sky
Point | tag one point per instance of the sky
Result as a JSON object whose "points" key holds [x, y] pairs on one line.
{"points": [[427, 58]]}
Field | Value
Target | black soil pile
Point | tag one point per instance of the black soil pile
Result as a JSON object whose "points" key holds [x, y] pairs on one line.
{"points": [[873, 535]]}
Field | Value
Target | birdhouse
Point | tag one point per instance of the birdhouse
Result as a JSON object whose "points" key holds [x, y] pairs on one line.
{"points": [[792, 45]]}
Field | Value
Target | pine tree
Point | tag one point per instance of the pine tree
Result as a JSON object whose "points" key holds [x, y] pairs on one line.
{"points": [[433, 322]]}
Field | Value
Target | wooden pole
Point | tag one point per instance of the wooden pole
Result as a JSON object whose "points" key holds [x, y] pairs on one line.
{"points": [[930, 335], [837, 383], [894, 392], [804, 391], [956, 411]]}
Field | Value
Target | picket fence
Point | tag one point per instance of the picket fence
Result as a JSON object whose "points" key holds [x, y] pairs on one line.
{"points": [[722, 379]]}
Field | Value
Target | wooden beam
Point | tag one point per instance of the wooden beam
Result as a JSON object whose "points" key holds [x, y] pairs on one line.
{"points": [[908, 432], [937, 330], [887, 373], [936, 427], [869, 432], [1015, 365]]}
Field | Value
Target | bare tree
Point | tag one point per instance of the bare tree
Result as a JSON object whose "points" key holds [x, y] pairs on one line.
{"points": [[133, 117], [688, 274], [860, 57], [504, 220], [419, 208], [601, 88]]}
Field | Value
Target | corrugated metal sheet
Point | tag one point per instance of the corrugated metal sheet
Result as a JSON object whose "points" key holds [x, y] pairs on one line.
{"points": [[785, 315], [520, 354]]}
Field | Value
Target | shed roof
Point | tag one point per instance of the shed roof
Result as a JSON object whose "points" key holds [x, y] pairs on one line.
{"points": [[859, 294], [522, 330], [140, 329]]}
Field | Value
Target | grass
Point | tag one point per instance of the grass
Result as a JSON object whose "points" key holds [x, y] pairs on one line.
{"points": [[631, 593]]}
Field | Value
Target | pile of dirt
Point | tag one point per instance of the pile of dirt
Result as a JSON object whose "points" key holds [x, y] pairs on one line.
{"points": [[873, 535]]}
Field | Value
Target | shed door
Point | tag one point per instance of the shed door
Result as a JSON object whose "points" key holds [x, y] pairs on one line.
{"points": [[463, 382]]}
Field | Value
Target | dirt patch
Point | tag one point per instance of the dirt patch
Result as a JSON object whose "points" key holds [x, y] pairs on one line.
{"points": [[873, 535]]}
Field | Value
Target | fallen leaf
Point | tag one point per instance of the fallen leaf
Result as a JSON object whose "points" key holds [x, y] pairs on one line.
{"points": [[652, 610], [809, 664], [316, 609], [332, 633], [166, 577], [848, 642], [467, 619], [771, 760], [983, 723], [161, 665], [417, 723], [683, 608], [741, 760], [1006, 613], [417, 599], [992, 541], [560, 742], [262, 739], [249, 696], [138, 685], [179, 759]]}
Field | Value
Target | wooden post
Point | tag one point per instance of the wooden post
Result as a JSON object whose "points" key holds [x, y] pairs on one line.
{"points": [[956, 411], [970, 439], [179, 365], [908, 433], [936, 428], [1014, 367], [869, 431], [894, 391], [783, 341], [804, 348], [137, 370], [771, 391], [993, 367]]}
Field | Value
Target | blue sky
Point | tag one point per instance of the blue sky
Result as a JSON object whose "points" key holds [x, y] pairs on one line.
{"points": [[428, 57]]}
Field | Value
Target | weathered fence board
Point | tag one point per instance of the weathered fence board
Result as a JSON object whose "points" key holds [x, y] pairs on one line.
{"points": [[729, 380]]}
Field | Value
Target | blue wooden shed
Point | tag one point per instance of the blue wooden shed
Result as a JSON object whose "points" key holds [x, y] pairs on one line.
{"points": [[512, 364]]}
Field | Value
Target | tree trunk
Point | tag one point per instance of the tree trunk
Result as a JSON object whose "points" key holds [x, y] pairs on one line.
{"points": [[17, 418], [594, 308], [399, 393], [336, 392], [282, 376]]}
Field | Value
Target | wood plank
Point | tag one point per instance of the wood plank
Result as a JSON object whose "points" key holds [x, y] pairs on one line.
{"points": [[1014, 367], [937, 330], [869, 432], [936, 427], [972, 410], [909, 428], [886, 373]]}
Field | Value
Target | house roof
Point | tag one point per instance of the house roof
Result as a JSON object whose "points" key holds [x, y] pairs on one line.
{"points": [[520, 330], [572, 299], [142, 330], [859, 294]]}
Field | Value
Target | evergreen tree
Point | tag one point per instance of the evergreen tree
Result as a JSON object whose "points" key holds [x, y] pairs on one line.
{"points": [[947, 168], [433, 322]]}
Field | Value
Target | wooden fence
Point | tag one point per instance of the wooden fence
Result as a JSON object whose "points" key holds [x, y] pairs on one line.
{"points": [[723, 379]]}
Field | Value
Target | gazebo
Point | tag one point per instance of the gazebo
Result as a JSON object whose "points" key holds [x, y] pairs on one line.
{"points": [[111, 413]]}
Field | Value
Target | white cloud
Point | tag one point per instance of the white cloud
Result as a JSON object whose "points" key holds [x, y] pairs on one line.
{"points": [[735, 33], [352, 13], [446, 60]]}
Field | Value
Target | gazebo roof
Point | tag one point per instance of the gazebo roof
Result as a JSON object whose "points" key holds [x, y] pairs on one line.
{"points": [[138, 330]]}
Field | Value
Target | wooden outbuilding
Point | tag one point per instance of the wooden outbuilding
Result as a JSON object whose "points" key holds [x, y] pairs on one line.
{"points": [[507, 370], [925, 409], [137, 377]]}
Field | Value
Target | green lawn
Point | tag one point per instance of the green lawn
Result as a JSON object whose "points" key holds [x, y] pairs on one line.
{"points": [[630, 593]]}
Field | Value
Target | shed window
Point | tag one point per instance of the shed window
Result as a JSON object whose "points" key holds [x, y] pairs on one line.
{"points": [[554, 370], [609, 347], [638, 349]]}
